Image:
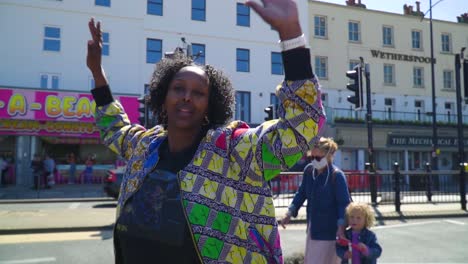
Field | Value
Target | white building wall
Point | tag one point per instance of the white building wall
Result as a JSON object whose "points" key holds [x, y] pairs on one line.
{"points": [[22, 25], [340, 51]]}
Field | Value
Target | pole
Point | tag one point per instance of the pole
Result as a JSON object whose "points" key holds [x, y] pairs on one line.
{"points": [[370, 137], [461, 151], [434, 113]]}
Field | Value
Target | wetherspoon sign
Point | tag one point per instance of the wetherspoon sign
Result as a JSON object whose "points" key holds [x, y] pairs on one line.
{"points": [[47, 105]]}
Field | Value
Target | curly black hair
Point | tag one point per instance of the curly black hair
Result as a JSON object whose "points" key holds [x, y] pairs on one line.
{"points": [[220, 102]]}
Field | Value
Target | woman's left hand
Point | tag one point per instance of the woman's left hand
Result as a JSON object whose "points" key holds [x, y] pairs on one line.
{"points": [[282, 15], [340, 232]]}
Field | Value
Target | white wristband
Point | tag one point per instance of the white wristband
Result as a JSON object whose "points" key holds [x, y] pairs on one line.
{"points": [[293, 43]]}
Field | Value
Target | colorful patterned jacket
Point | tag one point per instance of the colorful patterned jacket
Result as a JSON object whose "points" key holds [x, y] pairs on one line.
{"points": [[225, 194]]}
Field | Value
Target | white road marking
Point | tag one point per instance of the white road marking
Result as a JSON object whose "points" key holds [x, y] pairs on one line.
{"points": [[454, 222], [49, 237], [403, 225], [74, 205], [24, 261]]}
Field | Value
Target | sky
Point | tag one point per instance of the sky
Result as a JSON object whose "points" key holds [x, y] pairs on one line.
{"points": [[444, 10]]}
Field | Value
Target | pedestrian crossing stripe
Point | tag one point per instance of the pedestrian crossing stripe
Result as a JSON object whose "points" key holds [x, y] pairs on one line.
{"points": [[51, 237]]}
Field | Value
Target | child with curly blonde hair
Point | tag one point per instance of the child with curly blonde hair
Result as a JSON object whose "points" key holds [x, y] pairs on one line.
{"points": [[361, 245]]}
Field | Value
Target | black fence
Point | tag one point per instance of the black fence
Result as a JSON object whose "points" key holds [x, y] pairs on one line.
{"points": [[387, 187]]}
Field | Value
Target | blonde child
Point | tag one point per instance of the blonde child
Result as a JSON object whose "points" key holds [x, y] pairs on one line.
{"points": [[364, 248]]}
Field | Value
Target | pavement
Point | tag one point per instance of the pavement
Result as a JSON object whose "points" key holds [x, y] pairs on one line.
{"points": [[42, 219]]}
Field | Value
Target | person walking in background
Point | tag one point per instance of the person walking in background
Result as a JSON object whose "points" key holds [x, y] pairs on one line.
{"points": [[37, 166], [365, 248], [196, 185], [3, 171], [49, 166], [72, 169], [325, 188], [87, 174]]}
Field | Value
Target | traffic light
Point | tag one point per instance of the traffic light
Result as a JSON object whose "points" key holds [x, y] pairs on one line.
{"points": [[465, 79], [356, 86], [269, 110], [143, 109]]}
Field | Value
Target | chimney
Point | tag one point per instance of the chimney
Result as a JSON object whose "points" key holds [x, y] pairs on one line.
{"points": [[408, 10], [353, 3], [463, 18]]}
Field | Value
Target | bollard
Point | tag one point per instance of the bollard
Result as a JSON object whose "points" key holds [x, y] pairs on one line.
{"points": [[370, 168], [462, 182], [396, 175], [429, 182]]}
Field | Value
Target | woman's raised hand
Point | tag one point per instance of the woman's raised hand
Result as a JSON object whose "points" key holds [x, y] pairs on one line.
{"points": [[282, 15], [93, 58]]}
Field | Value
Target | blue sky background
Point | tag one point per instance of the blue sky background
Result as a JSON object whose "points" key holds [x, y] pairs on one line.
{"points": [[445, 10]]}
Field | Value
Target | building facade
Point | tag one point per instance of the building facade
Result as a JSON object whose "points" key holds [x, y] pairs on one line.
{"points": [[396, 48], [46, 50], [46, 53]]}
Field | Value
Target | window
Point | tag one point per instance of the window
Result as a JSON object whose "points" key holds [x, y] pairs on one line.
{"points": [[276, 63], [51, 39], [353, 63], [243, 15], [448, 106], [102, 2], [243, 60], [154, 7], [389, 74], [105, 43], [324, 98], [199, 10], [387, 34], [389, 108], [418, 77], [418, 103], [320, 26], [153, 50], [243, 106], [198, 53], [416, 39], [388, 101], [321, 65], [274, 100], [354, 31], [448, 79], [50, 81], [446, 43]]}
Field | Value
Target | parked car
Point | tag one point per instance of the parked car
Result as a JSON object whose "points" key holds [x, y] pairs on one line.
{"points": [[112, 181]]}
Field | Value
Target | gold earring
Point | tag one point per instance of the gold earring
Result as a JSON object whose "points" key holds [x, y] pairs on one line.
{"points": [[206, 121]]}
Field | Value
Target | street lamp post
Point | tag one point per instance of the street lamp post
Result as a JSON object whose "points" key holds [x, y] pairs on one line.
{"points": [[461, 151], [434, 106]]}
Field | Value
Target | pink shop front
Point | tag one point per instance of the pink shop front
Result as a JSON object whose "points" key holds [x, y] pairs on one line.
{"points": [[58, 123]]}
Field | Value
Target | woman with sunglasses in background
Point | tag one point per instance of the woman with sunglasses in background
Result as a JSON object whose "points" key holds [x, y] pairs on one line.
{"points": [[325, 188]]}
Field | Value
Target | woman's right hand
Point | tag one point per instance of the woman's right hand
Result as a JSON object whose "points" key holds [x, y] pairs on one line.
{"points": [[285, 220], [93, 58]]}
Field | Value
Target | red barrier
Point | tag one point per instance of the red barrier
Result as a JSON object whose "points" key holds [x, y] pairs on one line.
{"points": [[289, 183], [358, 180]]}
